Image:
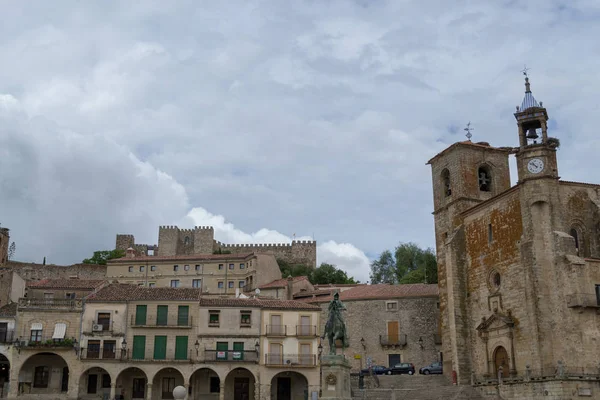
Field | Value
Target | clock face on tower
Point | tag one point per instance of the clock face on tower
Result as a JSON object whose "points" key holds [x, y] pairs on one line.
{"points": [[535, 165]]}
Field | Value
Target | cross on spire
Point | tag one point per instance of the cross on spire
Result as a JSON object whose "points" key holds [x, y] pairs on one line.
{"points": [[525, 70], [468, 129]]}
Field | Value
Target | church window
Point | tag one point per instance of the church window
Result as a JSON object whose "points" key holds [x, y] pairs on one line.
{"points": [[186, 240], [494, 280], [575, 235], [485, 179], [598, 294], [446, 182], [490, 234]]}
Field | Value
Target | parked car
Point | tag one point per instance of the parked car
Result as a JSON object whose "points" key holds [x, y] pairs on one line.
{"points": [[377, 370], [434, 368], [403, 368]]}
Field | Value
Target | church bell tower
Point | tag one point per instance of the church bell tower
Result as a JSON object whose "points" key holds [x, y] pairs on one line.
{"points": [[536, 157]]}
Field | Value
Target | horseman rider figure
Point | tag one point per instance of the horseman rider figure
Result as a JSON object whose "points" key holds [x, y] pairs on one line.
{"points": [[335, 328]]}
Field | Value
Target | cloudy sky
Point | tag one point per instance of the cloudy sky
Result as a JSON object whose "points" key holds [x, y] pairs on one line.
{"points": [[271, 118]]}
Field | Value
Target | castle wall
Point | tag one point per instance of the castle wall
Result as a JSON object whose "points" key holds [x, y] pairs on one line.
{"points": [[298, 252], [4, 243], [174, 241], [32, 271]]}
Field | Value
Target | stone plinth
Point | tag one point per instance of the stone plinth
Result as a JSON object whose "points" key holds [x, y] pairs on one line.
{"points": [[335, 378]]}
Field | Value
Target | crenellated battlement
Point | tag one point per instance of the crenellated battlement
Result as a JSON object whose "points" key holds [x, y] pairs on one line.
{"points": [[200, 240]]}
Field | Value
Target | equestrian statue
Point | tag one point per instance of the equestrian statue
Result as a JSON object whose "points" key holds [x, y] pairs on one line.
{"points": [[335, 328]]}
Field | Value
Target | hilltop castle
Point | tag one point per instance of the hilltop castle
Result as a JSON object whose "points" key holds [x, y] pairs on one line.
{"points": [[173, 241]]}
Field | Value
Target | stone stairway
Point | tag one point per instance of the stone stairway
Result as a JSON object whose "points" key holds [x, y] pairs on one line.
{"points": [[416, 387]]}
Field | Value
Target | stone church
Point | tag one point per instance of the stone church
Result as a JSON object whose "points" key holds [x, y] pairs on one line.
{"points": [[519, 266]]}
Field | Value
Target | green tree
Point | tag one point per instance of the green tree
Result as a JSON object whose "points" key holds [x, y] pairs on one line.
{"points": [[383, 270], [409, 264], [102, 256], [328, 273], [324, 274]]}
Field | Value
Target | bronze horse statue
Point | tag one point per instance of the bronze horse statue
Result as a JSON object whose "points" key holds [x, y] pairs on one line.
{"points": [[335, 328]]}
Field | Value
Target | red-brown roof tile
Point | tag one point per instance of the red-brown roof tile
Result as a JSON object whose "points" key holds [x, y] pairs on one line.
{"points": [[128, 292], [257, 303], [190, 257], [383, 291], [66, 284], [277, 283]]}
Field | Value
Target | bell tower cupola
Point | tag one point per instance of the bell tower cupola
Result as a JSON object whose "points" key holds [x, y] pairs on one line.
{"points": [[536, 155]]}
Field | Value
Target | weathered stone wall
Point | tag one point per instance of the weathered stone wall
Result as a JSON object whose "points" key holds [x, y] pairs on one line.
{"points": [[4, 243], [33, 271], [417, 318], [542, 390], [203, 239], [6, 277], [461, 162], [581, 206]]}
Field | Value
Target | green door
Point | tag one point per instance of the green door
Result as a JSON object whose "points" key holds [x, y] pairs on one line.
{"points": [[183, 315], [238, 350], [160, 347], [181, 344], [140, 315], [222, 350], [139, 347], [162, 313]]}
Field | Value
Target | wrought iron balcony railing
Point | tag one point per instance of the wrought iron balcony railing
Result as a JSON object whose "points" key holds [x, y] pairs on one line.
{"points": [[306, 330], [62, 304], [276, 330], [583, 300], [392, 340], [152, 322], [230, 355]]}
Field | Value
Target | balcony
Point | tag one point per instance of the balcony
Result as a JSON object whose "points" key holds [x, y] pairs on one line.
{"points": [[102, 329], [175, 323], [307, 331], [7, 336], [46, 342], [99, 353], [230, 356], [131, 357], [290, 360], [583, 300], [276, 330], [50, 304], [392, 340]]}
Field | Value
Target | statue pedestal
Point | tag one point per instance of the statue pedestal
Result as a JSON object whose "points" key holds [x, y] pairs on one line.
{"points": [[335, 378]]}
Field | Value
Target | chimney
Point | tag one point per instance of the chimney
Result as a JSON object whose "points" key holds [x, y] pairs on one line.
{"points": [[290, 288]]}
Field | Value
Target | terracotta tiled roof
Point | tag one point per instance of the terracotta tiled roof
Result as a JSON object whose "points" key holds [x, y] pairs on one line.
{"points": [[332, 285], [316, 292], [125, 292], [258, 303], [190, 257], [8, 310], [66, 284], [277, 283], [383, 291]]}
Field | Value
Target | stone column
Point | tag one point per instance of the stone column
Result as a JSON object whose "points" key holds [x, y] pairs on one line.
{"points": [[187, 390], [222, 391], [113, 391], [13, 387], [513, 367], [148, 391]]}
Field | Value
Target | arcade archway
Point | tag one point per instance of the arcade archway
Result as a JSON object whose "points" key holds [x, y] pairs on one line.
{"points": [[289, 385]]}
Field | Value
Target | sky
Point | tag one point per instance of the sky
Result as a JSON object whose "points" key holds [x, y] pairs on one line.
{"points": [[269, 119]]}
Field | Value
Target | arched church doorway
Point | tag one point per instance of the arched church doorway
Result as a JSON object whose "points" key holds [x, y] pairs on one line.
{"points": [[4, 375], [501, 360]]}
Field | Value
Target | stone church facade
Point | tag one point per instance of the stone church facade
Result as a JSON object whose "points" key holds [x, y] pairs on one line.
{"points": [[519, 266]]}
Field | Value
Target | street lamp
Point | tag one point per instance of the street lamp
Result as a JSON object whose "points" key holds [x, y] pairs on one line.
{"points": [[320, 349], [197, 346], [123, 348], [18, 345], [362, 342], [421, 342], [257, 348]]}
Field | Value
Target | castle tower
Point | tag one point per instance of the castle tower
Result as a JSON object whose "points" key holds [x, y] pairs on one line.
{"points": [[4, 243], [464, 175]]}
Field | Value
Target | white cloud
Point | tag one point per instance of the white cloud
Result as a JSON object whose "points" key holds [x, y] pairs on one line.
{"points": [[307, 117]]}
